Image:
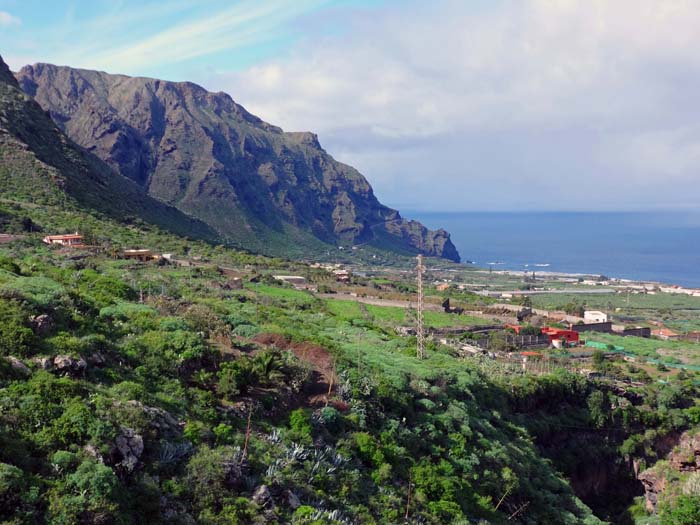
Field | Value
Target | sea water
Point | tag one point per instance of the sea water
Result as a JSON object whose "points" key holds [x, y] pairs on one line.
{"points": [[653, 246]]}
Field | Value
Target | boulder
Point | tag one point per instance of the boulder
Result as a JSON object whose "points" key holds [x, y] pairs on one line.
{"points": [[44, 363], [130, 446], [293, 500], [93, 452], [18, 366], [41, 324], [263, 497], [68, 365], [96, 359]]}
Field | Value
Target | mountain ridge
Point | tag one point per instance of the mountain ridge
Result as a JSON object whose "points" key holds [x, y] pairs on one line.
{"points": [[38, 161], [205, 154]]}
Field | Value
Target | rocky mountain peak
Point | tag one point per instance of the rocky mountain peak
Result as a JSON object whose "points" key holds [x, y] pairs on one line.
{"points": [[259, 187]]}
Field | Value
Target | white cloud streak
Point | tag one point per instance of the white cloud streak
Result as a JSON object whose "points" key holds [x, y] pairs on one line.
{"points": [[7, 20], [591, 102], [247, 22]]}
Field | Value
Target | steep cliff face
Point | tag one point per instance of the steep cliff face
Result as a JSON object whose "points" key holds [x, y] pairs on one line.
{"points": [[678, 473], [206, 155], [40, 164]]}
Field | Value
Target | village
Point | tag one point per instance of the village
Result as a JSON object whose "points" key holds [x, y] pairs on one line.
{"points": [[523, 337]]}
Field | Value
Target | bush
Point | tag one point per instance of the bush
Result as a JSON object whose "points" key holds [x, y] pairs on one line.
{"points": [[11, 486], [300, 424], [685, 510], [15, 335], [87, 496]]}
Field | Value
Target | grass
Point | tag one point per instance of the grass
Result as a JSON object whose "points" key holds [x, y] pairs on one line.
{"points": [[671, 351], [396, 316], [658, 301]]}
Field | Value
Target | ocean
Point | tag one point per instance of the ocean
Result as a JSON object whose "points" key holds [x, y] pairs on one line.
{"points": [[654, 246]]}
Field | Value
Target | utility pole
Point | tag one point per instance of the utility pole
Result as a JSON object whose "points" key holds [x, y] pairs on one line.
{"points": [[419, 317]]}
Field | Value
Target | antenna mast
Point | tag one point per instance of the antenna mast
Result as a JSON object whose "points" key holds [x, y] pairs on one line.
{"points": [[420, 351]]}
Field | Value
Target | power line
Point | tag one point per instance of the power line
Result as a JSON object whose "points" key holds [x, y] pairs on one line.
{"points": [[420, 337]]}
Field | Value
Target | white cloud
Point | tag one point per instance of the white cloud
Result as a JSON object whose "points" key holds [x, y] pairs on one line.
{"points": [[584, 100], [6, 19], [246, 22]]}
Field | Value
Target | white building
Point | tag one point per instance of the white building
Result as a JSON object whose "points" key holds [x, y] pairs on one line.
{"points": [[594, 316]]}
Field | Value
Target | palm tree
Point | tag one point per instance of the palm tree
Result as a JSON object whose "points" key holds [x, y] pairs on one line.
{"points": [[268, 367]]}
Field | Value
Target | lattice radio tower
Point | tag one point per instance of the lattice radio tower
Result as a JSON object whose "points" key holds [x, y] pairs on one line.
{"points": [[420, 337]]}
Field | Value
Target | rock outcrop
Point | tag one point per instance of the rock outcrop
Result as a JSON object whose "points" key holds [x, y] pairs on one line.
{"points": [[206, 155], [70, 366], [129, 444], [683, 458], [39, 163]]}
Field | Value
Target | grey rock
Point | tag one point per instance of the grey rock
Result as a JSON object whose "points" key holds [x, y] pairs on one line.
{"points": [[96, 359], [93, 452], [130, 446], [293, 500], [68, 365], [263, 497], [18, 366], [45, 363], [206, 155], [41, 324]]}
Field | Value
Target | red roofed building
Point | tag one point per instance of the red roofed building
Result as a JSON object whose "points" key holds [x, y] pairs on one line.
{"points": [[71, 239], [665, 334], [559, 334]]}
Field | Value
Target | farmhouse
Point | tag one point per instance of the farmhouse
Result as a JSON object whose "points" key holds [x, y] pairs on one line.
{"points": [[296, 280], [139, 254], [342, 276], [594, 316], [557, 334], [73, 239], [665, 334]]}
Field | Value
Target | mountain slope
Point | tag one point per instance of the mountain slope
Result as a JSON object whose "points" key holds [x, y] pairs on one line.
{"points": [[39, 164], [206, 155]]}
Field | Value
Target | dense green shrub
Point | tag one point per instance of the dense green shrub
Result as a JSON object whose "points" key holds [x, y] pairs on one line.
{"points": [[684, 510], [16, 338]]}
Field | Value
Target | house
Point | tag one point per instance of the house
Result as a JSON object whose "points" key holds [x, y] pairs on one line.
{"points": [[342, 276], [73, 239], [140, 254], [296, 280], [594, 316], [637, 331], [442, 287], [665, 334], [558, 334]]}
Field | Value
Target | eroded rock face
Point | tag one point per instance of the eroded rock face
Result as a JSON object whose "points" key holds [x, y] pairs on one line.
{"points": [[654, 484], [683, 457], [205, 154], [41, 160]]}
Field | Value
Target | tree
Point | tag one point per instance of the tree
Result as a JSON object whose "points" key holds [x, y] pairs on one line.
{"points": [[15, 336], [598, 408], [685, 510], [599, 360]]}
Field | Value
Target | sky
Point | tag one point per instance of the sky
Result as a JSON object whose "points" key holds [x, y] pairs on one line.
{"points": [[448, 105]]}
